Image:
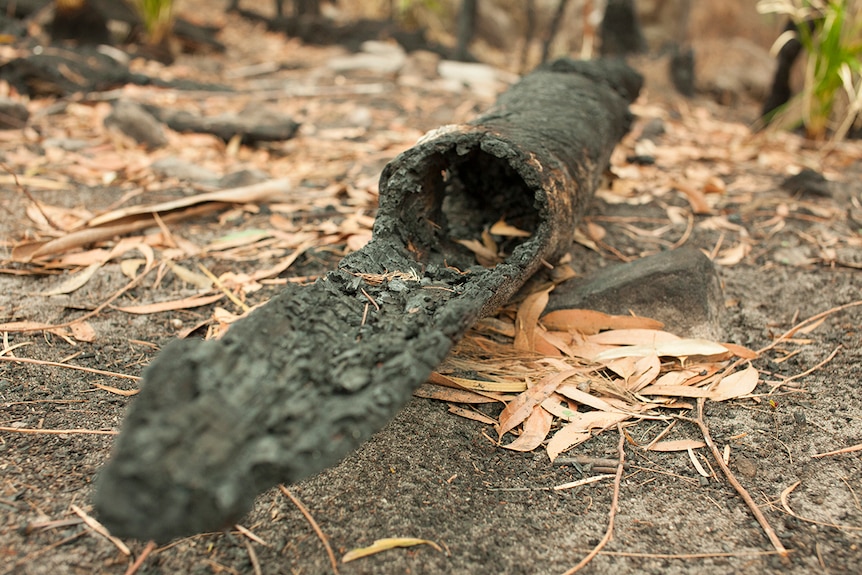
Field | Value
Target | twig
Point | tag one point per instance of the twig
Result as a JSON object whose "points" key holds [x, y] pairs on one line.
{"points": [[792, 331], [97, 527], [57, 431], [252, 557], [686, 556], [613, 511], [785, 503], [69, 366], [314, 525], [133, 568], [731, 478], [811, 370], [218, 283], [852, 448], [581, 482]]}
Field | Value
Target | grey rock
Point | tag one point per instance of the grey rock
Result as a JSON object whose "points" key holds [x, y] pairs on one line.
{"points": [[254, 124], [134, 121], [680, 288]]}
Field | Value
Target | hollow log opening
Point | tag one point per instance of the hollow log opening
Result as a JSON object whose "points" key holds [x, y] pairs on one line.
{"points": [[459, 195]]}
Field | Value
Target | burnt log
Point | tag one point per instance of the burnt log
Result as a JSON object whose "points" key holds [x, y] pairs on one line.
{"points": [[304, 380], [780, 91]]}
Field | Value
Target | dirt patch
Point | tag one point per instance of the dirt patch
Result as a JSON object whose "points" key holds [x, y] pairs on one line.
{"points": [[428, 473]]}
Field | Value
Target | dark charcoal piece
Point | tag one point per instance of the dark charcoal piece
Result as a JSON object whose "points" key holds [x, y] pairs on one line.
{"points": [[620, 29], [682, 71], [807, 182], [253, 126], [301, 382]]}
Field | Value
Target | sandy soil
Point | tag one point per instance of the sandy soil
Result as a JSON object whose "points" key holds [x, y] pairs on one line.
{"points": [[429, 474]]}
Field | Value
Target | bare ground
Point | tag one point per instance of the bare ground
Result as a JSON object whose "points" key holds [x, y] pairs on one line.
{"points": [[429, 474]]}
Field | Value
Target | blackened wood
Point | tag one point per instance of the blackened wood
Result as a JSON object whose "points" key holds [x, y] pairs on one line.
{"points": [[620, 30], [779, 91], [307, 378]]}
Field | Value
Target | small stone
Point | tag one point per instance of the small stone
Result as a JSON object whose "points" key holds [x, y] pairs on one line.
{"points": [[746, 466], [653, 129], [13, 115], [134, 121], [242, 178], [679, 288], [807, 182]]}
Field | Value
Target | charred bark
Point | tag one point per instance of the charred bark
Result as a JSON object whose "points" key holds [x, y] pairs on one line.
{"points": [[620, 29], [303, 381], [780, 92], [466, 29]]}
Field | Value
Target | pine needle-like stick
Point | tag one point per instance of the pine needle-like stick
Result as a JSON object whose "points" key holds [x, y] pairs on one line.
{"points": [[69, 366], [857, 447], [314, 525], [614, 504], [252, 557], [731, 478], [133, 568]]}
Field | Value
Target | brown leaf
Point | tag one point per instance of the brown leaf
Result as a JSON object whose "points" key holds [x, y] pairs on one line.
{"points": [[740, 351], [271, 191], [83, 331], [646, 370], [578, 430], [485, 256], [572, 392], [501, 228], [522, 406], [735, 385], [695, 198], [528, 318], [676, 445], [185, 303], [386, 544], [636, 336], [536, 428], [681, 348], [441, 393], [589, 322], [471, 414], [675, 391], [74, 281]]}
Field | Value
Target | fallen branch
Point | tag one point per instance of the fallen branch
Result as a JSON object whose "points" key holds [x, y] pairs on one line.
{"points": [[302, 381]]}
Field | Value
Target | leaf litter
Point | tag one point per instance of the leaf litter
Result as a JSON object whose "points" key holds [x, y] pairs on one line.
{"points": [[699, 161], [565, 376]]}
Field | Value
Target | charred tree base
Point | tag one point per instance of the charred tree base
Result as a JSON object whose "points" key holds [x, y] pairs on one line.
{"points": [[303, 381]]}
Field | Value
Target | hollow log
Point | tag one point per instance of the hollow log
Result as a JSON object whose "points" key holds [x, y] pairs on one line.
{"points": [[304, 380]]}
